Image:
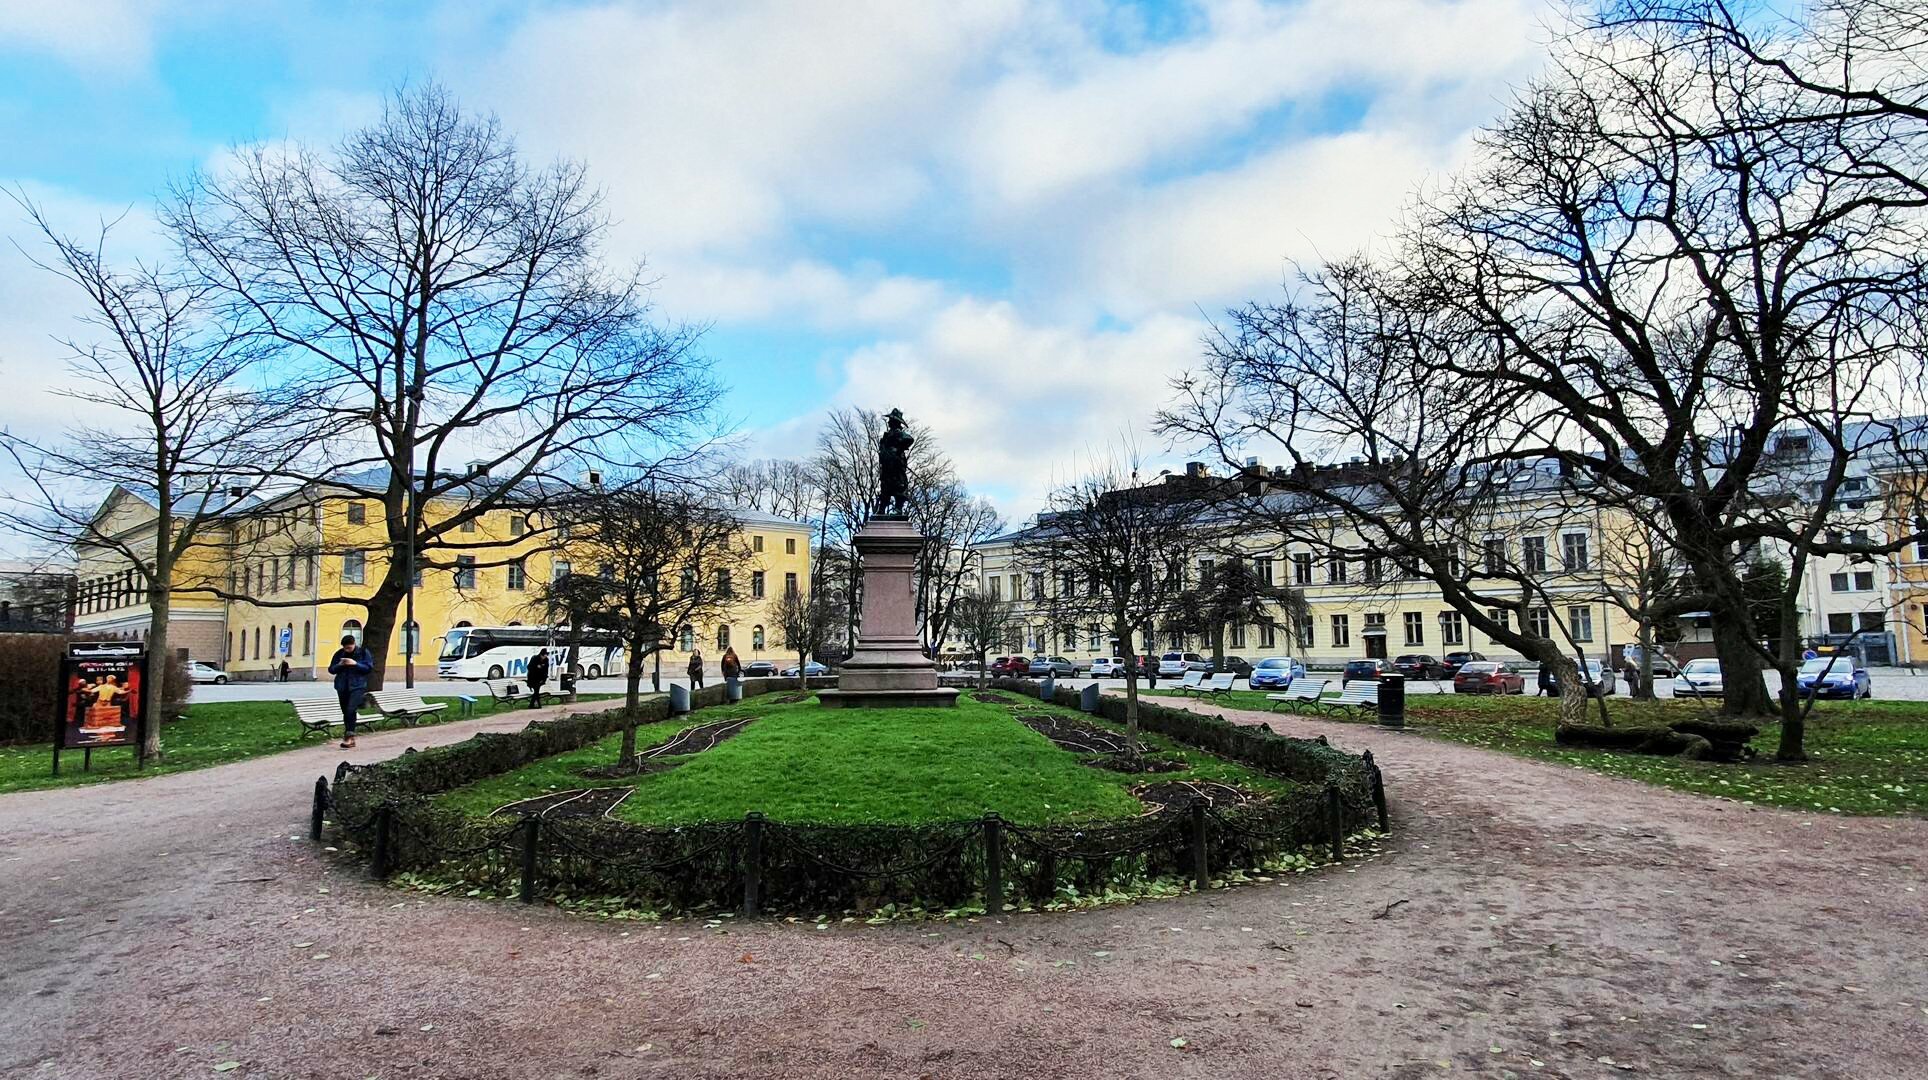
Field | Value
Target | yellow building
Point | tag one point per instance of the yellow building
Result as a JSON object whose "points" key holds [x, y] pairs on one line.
{"points": [[110, 598], [286, 555]]}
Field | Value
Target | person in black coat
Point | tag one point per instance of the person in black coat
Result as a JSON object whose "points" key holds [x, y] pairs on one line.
{"points": [[538, 674]]}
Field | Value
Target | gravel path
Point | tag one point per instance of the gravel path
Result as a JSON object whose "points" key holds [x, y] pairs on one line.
{"points": [[1527, 920]]}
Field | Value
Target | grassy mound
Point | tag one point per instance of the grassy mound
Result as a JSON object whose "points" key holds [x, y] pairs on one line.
{"points": [[799, 762]]}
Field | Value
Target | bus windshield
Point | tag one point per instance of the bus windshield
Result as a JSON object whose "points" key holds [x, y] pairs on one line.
{"points": [[454, 643]]}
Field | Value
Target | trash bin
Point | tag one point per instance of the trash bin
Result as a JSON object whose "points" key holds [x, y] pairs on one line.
{"points": [[1046, 688], [733, 689], [1088, 698], [566, 684], [1392, 701], [679, 699]]}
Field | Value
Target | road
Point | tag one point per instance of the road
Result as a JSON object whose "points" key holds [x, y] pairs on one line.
{"points": [[1524, 920]]}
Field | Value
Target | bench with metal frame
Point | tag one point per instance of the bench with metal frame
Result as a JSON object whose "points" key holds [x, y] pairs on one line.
{"points": [[1218, 684], [506, 693], [1360, 694], [323, 716], [1301, 692], [1191, 682], [406, 706]]}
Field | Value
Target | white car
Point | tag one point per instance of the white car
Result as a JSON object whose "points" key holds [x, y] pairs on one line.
{"points": [[1699, 678], [200, 672], [1108, 667], [1173, 665]]}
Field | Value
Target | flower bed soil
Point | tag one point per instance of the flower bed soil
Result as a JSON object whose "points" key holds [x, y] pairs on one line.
{"points": [[1077, 736], [580, 803], [1180, 794]]}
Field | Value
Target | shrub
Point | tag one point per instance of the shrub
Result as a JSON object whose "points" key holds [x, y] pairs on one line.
{"points": [[29, 685]]}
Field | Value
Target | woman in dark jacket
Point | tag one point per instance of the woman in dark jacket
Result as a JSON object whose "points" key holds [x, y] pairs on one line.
{"points": [[696, 671], [538, 674], [350, 666]]}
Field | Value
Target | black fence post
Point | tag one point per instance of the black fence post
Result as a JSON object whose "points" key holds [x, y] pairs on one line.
{"points": [[1378, 791], [1335, 823], [321, 808], [1201, 868], [531, 847], [384, 816], [993, 865], [752, 865]]}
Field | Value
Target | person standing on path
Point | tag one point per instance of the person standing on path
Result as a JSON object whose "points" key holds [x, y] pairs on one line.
{"points": [[696, 671], [732, 667], [350, 666], [284, 671], [538, 674]]}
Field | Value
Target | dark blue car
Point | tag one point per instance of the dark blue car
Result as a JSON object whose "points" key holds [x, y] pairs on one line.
{"points": [[1833, 677]]}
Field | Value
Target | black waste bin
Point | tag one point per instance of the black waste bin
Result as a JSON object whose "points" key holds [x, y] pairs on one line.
{"points": [[1392, 700]]}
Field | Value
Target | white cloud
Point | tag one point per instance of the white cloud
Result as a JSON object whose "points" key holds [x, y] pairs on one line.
{"points": [[99, 35], [803, 292]]}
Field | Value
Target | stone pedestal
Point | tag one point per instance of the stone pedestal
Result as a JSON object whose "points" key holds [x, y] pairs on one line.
{"points": [[888, 669]]}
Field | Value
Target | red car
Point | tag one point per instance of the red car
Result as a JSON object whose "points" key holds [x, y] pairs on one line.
{"points": [[1488, 677], [1011, 665]]}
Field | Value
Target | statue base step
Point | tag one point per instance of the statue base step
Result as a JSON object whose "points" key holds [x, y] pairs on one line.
{"points": [[942, 697]]}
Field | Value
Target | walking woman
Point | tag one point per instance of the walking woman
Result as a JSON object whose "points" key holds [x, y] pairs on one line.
{"points": [[696, 671], [350, 666], [538, 674]]}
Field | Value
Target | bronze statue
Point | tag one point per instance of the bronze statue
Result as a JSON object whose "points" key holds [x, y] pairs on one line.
{"points": [[893, 459]]}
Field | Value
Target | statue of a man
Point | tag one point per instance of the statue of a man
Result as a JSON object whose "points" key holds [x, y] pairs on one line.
{"points": [[893, 458]]}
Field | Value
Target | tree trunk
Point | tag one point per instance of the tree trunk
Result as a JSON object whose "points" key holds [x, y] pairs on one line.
{"points": [[803, 670], [1744, 693], [1122, 627], [1573, 685], [632, 700], [379, 627], [159, 607]]}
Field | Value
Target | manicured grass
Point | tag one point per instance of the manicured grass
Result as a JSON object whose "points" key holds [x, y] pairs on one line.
{"points": [[211, 734], [1867, 757], [803, 763]]}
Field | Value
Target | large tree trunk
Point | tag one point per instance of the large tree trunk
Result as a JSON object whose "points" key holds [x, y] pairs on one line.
{"points": [[1122, 627], [159, 607], [1744, 691], [379, 627], [632, 700]]}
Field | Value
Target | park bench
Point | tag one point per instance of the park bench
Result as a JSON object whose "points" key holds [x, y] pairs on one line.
{"points": [[1301, 692], [1362, 695], [323, 716], [1190, 683], [406, 706], [1217, 684], [506, 693]]}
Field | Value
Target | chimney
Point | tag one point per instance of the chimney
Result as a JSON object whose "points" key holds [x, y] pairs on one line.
{"points": [[237, 491], [478, 468], [593, 478], [1195, 469]]}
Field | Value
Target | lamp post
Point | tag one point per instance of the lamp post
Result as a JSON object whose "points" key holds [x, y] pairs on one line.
{"points": [[409, 630]]}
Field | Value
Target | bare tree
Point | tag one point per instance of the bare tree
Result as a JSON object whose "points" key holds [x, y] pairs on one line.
{"points": [[982, 621], [175, 412], [806, 622], [453, 304], [1124, 545], [952, 521], [1230, 591]]}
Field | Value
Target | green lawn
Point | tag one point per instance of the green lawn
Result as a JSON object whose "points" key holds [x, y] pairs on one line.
{"points": [[210, 734], [804, 763], [1867, 757]]}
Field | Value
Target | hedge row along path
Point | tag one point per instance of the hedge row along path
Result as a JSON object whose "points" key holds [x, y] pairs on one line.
{"points": [[1521, 913]]}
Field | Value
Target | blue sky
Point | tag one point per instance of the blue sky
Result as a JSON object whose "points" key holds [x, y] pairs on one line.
{"points": [[1005, 217]]}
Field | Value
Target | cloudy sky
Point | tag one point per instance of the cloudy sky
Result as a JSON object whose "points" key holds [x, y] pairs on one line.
{"points": [[1011, 218]]}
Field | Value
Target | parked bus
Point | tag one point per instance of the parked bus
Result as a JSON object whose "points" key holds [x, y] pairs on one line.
{"points": [[502, 652]]}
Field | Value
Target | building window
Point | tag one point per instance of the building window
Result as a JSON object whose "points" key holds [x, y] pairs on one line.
{"points": [[228, 652], [1863, 580], [1494, 559], [558, 569], [518, 575], [1573, 550], [411, 638], [1375, 567], [1452, 628], [1335, 570], [257, 643], [1341, 631], [1840, 622], [352, 628], [723, 587], [1415, 628], [756, 542], [1838, 582], [465, 571], [307, 638], [722, 638], [1580, 621], [1539, 622], [997, 587], [1376, 620], [467, 526], [1874, 622], [1501, 616], [789, 545], [1533, 554], [790, 584], [1303, 634], [756, 584], [357, 514], [686, 638], [1238, 635], [1302, 569], [756, 638], [1268, 634], [354, 568], [1262, 566]]}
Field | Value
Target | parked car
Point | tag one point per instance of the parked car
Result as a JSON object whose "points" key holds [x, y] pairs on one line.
{"points": [[1108, 667], [1630, 663], [1274, 672], [759, 669], [1174, 665], [1600, 680], [1011, 665], [1369, 670], [202, 672], [1699, 678], [1056, 666], [1419, 666], [1833, 676], [1488, 677], [1455, 660], [810, 670]]}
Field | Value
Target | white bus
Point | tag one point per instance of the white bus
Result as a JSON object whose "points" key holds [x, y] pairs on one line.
{"points": [[503, 652]]}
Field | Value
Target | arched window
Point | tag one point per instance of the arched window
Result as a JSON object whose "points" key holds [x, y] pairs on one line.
{"points": [[465, 622], [411, 638], [257, 643], [756, 637], [512, 622], [228, 652], [352, 628], [722, 638], [686, 638], [307, 638], [287, 642]]}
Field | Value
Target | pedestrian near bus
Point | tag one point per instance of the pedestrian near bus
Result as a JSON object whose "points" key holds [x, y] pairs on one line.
{"points": [[351, 666], [538, 674], [696, 671]]}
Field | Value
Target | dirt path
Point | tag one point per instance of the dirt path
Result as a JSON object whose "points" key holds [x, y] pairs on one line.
{"points": [[1548, 921]]}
